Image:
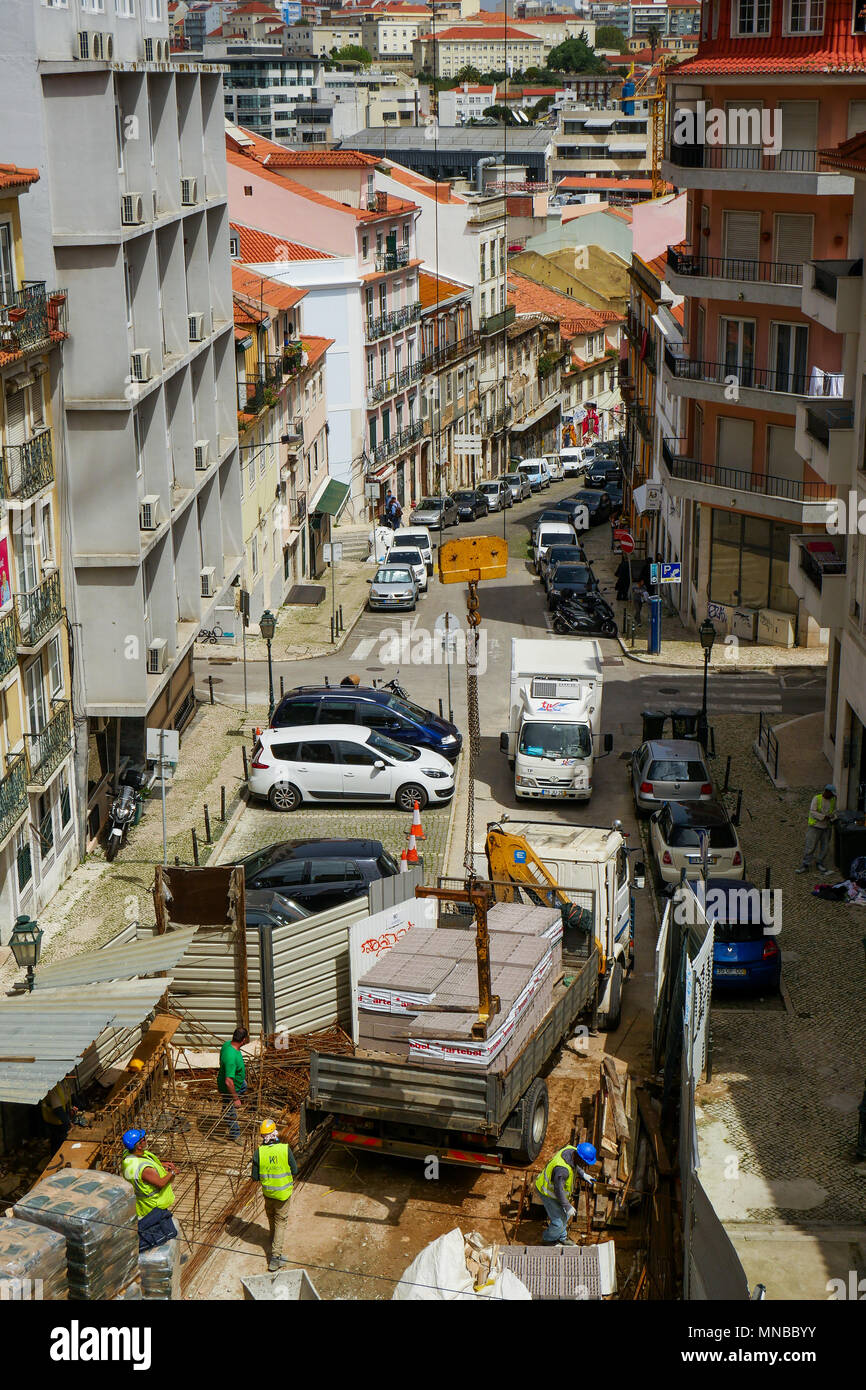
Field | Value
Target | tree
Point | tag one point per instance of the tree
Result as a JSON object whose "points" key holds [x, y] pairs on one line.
{"points": [[468, 74], [608, 36], [542, 105], [575, 55], [653, 34], [352, 53], [501, 113]]}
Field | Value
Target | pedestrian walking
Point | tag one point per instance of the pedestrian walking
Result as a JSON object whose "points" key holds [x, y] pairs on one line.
{"points": [[232, 1078], [275, 1167], [151, 1182], [555, 1185], [640, 596], [822, 813], [623, 579]]}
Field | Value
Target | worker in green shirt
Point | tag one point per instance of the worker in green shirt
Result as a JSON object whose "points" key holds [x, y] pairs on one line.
{"points": [[232, 1078]]}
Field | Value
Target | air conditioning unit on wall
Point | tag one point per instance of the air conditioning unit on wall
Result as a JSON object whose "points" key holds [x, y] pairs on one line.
{"points": [[148, 512], [141, 367], [202, 450], [208, 581], [157, 654], [132, 209]]}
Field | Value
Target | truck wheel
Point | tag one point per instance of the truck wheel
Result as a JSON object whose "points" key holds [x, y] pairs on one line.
{"points": [[532, 1111], [609, 1017]]}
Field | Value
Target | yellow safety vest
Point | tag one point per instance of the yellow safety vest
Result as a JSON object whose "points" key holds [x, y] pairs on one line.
{"points": [[544, 1181], [820, 801], [147, 1197], [275, 1175]]}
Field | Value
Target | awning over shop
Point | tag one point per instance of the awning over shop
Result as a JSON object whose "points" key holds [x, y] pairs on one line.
{"points": [[330, 498]]}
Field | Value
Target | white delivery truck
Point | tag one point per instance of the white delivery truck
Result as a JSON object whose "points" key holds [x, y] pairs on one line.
{"points": [[591, 866], [554, 725]]}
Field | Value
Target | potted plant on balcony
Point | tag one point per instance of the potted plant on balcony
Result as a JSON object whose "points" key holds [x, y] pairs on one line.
{"points": [[56, 300]]}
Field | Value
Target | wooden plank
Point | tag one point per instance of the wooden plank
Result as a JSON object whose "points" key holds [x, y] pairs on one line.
{"points": [[614, 1086], [652, 1124], [161, 1030], [73, 1153]]}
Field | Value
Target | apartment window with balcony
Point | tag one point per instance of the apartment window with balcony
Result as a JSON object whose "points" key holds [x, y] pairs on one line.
{"points": [[738, 348], [368, 299], [793, 237], [383, 299], [449, 388], [751, 17], [383, 363], [788, 353], [386, 426], [371, 371], [47, 533], [805, 17], [374, 430], [36, 709]]}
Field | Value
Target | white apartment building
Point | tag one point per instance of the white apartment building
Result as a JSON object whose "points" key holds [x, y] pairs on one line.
{"points": [[604, 144], [130, 215]]}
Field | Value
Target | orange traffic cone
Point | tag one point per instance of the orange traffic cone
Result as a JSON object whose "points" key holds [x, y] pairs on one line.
{"points": [[416, 830], [412, 851], [404, 867]]}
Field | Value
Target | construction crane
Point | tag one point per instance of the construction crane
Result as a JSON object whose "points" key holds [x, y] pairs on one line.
{"points": [[657, 102]]}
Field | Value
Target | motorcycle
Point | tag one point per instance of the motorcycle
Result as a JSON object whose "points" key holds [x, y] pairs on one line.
{"points": [[122, 814], [587, 618]]}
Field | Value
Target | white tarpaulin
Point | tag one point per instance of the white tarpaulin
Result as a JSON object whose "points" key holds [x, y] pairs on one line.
{"points": [[455, 1267]]}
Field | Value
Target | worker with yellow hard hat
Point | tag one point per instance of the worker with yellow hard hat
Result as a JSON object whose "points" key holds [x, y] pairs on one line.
{"points": [[275, 1167]]}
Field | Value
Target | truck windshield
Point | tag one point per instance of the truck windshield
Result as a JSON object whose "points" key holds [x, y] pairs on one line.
{"points": [[539, 740]]}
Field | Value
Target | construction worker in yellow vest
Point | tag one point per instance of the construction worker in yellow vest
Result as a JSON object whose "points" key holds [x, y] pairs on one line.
{"points": [[555, 1184], [275, 1167], [154, 1198], [822, 813]]}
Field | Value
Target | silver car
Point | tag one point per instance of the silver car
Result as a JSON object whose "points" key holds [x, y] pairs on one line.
{"points": [[393, 586], [436, 513], [498, 494], [669, 770], [677, 835], [519, 485]]}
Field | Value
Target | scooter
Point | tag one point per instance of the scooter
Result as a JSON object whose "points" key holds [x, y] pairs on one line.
{"points": [[583, 618], [122, 814]]}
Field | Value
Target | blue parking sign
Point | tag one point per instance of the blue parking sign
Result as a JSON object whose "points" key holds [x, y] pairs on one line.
{"points": [[671, 573]]}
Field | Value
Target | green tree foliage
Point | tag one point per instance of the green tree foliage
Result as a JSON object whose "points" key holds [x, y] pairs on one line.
{"points": [[608, 36], [575, 55], [501, 113], [468, 74], [352, 53]]}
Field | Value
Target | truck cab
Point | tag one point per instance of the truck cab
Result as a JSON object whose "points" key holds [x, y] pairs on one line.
{"points": [[554, 719]]}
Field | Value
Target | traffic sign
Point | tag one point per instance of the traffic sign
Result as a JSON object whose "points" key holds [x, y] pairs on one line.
{"points": [[671, 574], [467, 443], [332, 552], [626, 541]]}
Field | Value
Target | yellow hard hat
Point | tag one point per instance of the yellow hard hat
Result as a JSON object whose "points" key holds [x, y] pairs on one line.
{"points": [[136, 1064], [267, 1127]]}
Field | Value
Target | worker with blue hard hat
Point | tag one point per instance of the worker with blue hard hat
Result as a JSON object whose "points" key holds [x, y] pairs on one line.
{"points": [[151, 1182], [556, 1183]]}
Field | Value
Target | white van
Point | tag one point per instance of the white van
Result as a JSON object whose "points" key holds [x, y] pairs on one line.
{"points": [[554, 466], [536, 471], [574, 460], [416, 537]]}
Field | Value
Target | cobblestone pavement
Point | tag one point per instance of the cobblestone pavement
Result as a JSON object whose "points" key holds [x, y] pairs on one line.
{"points": [[259, 826], [786, 1082]]}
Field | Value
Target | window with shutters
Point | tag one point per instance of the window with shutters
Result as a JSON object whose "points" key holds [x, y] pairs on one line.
{"points": [[782, 459], [799, 121], [734, 443], [741, 241], [16, 418], [793, 237], [37, 405]]}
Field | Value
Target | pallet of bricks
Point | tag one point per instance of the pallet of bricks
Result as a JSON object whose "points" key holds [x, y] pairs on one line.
{"points": [[417, 1003]]}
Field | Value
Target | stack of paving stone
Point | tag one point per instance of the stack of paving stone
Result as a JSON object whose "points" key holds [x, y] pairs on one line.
{"points": [[32, 1262], [418, 1002], [95, 1212]]}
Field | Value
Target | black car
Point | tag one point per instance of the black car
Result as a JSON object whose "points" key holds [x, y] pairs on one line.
{"points": [[597, 504], [614, 492], [571, 554], [401, 720], [318, 874], [569, 581], [266, 908], [471, 504], [601, 472]]}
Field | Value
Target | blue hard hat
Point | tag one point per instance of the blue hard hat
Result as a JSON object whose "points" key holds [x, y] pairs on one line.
{"points": [[587, 1153], [135, 1136]]}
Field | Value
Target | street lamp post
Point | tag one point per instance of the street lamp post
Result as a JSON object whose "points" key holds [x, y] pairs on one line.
{"points": [[707, 634], [267, 627], [26, 944]]}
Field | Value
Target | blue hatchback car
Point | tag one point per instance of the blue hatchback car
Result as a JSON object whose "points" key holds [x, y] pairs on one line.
{"points": [[401, 720], [746, 955]]}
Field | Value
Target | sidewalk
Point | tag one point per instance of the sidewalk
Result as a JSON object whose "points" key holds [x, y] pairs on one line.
{"points": [[303, 631], [99, 898]]}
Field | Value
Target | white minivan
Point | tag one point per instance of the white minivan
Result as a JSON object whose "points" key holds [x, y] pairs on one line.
{"points": [[416, 538], [574, 460]]}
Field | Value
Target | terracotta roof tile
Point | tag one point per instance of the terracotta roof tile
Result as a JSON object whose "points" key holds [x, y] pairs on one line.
{"points": [[851, 154], [249, 163], [262, 248], [272, 294], [320, 159], [433, 290], [418, 183], [574, 317], [315, 348], [12, 176], [837, 49]]}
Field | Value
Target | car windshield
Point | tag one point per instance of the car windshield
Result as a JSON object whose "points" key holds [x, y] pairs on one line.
{"points": [[549, 538], [512, 478], [489, 487], [398, 751], [431, 504], [393, 576], [410, 710], [570, 574], [528, 468], [387, 864], [589, 499], [539, 740], [406, 557], [689, 836], [464, 497], [416, 538], [671, 771]]}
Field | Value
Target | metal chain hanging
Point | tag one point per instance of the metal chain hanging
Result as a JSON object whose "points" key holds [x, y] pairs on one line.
{"points": [[473, 619]]}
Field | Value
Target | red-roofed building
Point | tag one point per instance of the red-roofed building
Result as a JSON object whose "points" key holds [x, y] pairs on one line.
{"points": [[490, 47], [769, 87]]}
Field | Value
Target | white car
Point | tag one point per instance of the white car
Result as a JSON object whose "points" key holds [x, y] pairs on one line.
{"points": [[418, 537], [575, 460], [412, 557], [551, 533], [336, 763]]}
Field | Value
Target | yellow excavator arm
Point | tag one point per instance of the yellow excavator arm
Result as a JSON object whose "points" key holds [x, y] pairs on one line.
{"points": [[512, 860]]}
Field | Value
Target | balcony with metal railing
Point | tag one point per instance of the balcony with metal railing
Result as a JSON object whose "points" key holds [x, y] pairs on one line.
{"points": [[47, 749], [297, 509], [398, 443], [491, 424], [824, 436], [393, 321], [817, 566], [31, 319], [702, 379], [8, 643], [722, 277], [450, 352], [293, 433], [26, 468], [641, 417], [393, 384], [13, 796], [38, 611], [495, 323], [833, 294], [749, 168], [740, 483], [393, 260]]}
